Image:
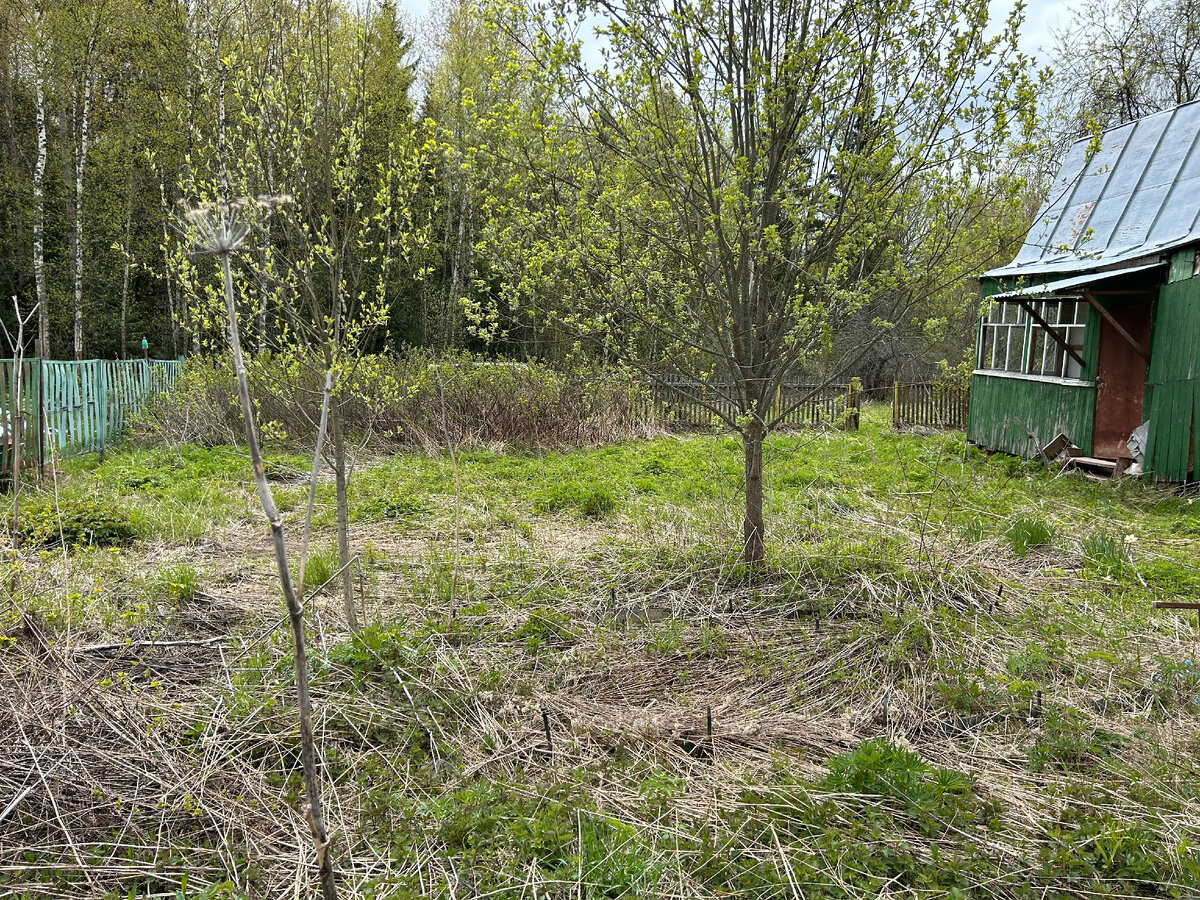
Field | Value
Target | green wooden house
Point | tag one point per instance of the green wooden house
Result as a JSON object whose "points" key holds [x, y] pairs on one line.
{"points": [[1095, 327]]}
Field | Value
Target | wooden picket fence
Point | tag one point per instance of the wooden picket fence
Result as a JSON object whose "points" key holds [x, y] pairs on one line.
{"points": [[677, 402], [30, 393], [930, 405], [70, 408]]}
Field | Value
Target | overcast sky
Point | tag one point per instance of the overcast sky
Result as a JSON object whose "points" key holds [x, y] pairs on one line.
{"points": [[1042, 19]]}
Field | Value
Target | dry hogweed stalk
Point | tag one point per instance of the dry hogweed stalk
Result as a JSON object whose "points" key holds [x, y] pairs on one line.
{"points": [[220, 228]]}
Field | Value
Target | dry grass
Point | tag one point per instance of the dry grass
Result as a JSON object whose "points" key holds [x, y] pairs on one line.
{"points": [[131, 767]]}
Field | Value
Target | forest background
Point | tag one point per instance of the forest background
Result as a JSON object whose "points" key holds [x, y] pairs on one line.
{"points": [[109, 112]]}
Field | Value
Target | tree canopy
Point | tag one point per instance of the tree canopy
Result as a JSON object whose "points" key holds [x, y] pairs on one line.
{"points": [[741, 178]]}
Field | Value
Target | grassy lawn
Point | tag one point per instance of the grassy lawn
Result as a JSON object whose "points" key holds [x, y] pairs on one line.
{"points": [[948, 682]]}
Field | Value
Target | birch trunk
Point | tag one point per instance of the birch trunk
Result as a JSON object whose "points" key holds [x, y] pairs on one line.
{"points": [[125, 271], [39, 212], [84, 103]]}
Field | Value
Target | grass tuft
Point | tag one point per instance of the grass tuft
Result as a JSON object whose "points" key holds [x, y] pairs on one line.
{"points": [[1028, 531]]}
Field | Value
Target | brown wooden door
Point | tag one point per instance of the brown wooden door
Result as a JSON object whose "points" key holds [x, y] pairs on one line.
{"points": [[1120, 380]]}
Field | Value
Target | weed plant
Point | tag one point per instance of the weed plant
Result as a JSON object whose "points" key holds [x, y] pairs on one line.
{"points": [[1026, 532]]}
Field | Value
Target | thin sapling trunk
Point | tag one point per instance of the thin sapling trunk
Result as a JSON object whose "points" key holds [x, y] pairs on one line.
{"points": [[753, 528], [343, 518]]}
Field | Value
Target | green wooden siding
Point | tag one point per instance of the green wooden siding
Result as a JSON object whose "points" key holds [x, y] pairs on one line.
{"points": [[1181, 264], [1173, 382], [1005, 410]]}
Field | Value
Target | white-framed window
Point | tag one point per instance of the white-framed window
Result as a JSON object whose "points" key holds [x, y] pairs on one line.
{"points": [[1010, 341], [1068, 318], [1002, 338]]}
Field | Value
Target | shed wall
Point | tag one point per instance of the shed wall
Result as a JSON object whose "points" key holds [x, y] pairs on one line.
{"points": [[1005, 410], [1173, 382]]}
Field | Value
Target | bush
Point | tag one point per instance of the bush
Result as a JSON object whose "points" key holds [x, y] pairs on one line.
{"points": [[409, 400], [77, 523]]}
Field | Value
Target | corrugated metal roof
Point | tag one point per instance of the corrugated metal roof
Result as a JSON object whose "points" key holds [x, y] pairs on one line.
{"points": [[1139, 195], [1066, 284]]}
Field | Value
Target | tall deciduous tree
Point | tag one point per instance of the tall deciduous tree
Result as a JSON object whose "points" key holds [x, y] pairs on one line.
{"points": [[742, 176], [1119, 61]]}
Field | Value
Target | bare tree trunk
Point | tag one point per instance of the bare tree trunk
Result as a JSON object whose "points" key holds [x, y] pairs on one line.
{"points": [[314, 814], [343, 517], [16, 420], [753, 528], [125, 274], [39, 213], [77, 231]]}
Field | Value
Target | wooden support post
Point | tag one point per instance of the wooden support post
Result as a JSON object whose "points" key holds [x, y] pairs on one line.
{"points": [[1180, 604], [1108, 317], [1054, 335]]}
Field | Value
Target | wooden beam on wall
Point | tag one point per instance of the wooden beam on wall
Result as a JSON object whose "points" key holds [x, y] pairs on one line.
{"points": [[1058, 339], [1108, 317]]}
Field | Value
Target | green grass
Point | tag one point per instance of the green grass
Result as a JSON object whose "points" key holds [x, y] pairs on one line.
{"points": [[947, 681]]}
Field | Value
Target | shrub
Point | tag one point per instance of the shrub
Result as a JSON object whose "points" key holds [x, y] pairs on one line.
{"points": [[77, 523], [410, 400]]}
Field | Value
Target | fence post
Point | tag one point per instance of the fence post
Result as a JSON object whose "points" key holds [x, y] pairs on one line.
{"points": [[101, 394]]}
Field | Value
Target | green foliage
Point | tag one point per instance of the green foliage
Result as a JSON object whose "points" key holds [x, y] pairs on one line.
{"points": [[937, 799], [177, 583], [321, 566], [590, 501], [1118, 857], [1106, 551], [545, 627], [77, 522], [391, 507], [285, 468], [1177, 683], [1069, 743], [1026, 532], [1038, 662]]}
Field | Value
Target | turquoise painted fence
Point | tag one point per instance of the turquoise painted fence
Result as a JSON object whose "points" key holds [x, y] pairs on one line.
{"points": [[88, 405], [70, 408]]}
